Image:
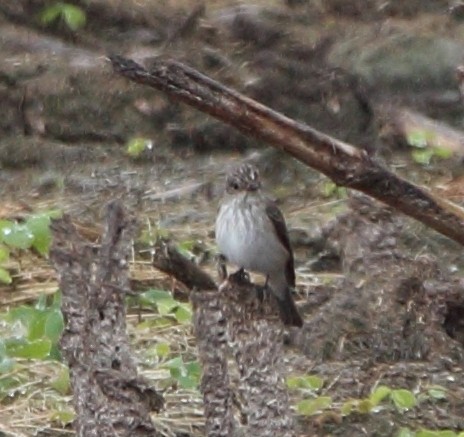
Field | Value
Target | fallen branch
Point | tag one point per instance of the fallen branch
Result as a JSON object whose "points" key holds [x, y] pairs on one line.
{"points": [[109, 398], [344, 164], [167, 259]]}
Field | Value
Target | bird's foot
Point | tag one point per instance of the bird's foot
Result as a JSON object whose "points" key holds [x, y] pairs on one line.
{"points": [[240, 276]]}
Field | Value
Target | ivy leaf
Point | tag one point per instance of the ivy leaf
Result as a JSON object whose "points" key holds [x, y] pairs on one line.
{"points": [[403, 399], [73, 16], [54, 325], [136, 146], [406, 432], [63, 417], [62, 382], [162, 350], [309, 407], [17, 235], [183, 314], [349, 406], [5, 277], [311, 382], [4, 253], [22, 348], [379, 394], [39, 226]]}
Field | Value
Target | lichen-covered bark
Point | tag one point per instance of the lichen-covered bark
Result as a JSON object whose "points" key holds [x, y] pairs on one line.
{"points": [[255, 338], [211, 333], [109, 398]]}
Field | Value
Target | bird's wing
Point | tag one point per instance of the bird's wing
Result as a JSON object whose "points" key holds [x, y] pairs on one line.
{"points": [[278, 221]]}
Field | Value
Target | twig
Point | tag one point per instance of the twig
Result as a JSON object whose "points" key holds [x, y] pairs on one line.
{"points": [[167, 259], [344, 164]]}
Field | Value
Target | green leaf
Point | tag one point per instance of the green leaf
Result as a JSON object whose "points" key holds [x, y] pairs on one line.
{"points": [[54, 325], [443, 152], [36, 326], [423, 156], [349, 406], [183, 314], [187, 382], [152, 297], [426, 433], [446, 433], [4, 253], [63, 417], [418, 138], [175, 363], [403, 399], [73, 16], [39, 225], [311, 382], [23, 314], [62, 382], [17, 236], [193, 369], [166, 306], [437, 392], [308, 407], [365, 406], [405, 432], [50, 14], [5, 277], [136, 146], [21, 348], [163, 350], [379, 394]]}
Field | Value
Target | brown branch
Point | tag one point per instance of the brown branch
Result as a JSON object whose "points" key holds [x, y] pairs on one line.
{"points": [[167, 259], [344, 164], [109, 398]]}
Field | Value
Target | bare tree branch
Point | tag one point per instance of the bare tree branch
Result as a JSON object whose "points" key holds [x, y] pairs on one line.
{"points": [[344, 164]]}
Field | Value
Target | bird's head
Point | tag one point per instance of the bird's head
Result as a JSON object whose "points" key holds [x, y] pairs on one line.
{"points": [[244, 178]]}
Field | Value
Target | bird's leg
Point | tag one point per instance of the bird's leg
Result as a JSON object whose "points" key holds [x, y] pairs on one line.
{"points": [[221, 266], [266, 292]]}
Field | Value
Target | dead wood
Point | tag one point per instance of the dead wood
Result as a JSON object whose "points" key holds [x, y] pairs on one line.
{"points": [[346, 165], [255, 336], [210, 331], [109, 398], [391, 303], [233, 321], [167, 259]]}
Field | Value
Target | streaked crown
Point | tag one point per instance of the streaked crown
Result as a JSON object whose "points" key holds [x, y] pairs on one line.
{"points": [[243, 178]]}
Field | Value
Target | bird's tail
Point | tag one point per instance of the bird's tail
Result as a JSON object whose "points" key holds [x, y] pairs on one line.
{"points": [[288, 310]]}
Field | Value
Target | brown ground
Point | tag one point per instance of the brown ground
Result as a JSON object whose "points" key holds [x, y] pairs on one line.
{"points": [[382, 296]]}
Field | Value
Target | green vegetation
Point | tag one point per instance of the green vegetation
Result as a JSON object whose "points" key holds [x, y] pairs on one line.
{"points": [[381, 398], [71, 15], [33, 233], [426, 147]]}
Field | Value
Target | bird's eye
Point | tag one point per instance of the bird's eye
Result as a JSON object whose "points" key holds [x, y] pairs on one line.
{"points": [[235, 186]]}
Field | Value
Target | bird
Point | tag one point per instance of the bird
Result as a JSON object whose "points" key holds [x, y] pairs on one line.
{"points": [[251, 233]]}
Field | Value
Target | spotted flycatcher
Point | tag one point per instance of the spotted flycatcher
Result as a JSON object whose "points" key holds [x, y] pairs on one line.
{"points": [[251, 233]]}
